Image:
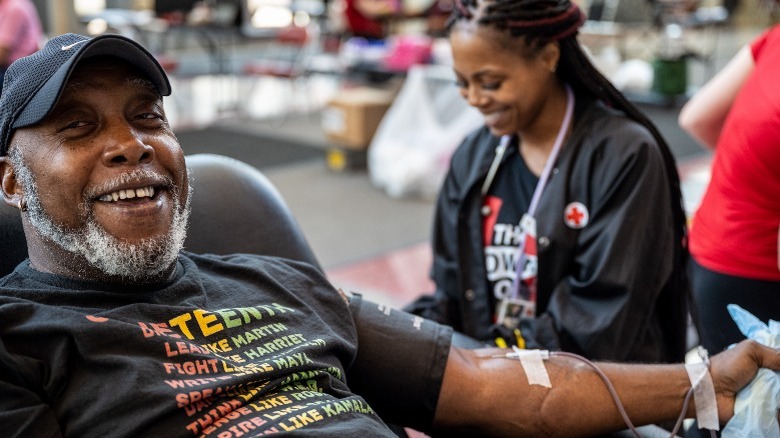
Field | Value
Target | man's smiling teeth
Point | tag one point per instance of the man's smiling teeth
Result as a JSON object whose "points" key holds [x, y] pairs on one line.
{"points": [[147, 192]]}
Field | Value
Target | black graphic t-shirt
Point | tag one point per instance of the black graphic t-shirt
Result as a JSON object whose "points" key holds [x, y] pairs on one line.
{"points": [[508, 198], [233, 346]]}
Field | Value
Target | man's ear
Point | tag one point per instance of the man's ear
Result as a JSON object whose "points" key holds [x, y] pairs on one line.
{"points": [[9, 184]]}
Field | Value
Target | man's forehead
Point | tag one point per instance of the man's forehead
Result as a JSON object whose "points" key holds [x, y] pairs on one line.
{"points": [[93, 69], [79, 83], [100, 76]]}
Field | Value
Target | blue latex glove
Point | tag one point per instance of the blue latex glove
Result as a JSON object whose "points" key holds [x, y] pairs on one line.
{"points": [[755, 410]]}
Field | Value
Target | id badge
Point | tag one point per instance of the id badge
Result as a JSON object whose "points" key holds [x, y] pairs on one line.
{"points": [[529, 262], [512, 310], [523, 301]]}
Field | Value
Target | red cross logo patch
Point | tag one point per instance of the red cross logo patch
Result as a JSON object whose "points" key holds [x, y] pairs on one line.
{"points": [[576, 215]]}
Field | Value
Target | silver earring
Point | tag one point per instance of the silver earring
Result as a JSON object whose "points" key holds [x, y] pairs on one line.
{"points": [[22, 205]]}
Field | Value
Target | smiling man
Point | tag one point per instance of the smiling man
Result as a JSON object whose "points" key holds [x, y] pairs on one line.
{"points": [[109, 153], [111, 329]]}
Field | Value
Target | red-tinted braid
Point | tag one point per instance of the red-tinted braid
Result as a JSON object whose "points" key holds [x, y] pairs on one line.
{"points": [[543, 18], [572, 19]]}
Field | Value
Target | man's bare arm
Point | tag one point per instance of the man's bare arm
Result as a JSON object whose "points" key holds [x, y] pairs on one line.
{"points": [[492, 396]]}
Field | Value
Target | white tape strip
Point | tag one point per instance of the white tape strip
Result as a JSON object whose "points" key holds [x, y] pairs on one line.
{"points": [[704, 395], [533, 365]]}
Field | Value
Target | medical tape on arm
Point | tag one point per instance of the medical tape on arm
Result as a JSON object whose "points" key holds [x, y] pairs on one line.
{"points": [[533, 365], [703, 395]]}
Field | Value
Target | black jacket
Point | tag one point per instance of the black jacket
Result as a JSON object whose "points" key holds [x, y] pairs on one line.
{"points": [[604, 291]]}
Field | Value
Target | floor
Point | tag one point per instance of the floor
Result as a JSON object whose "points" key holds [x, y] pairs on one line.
{"points": [[366, 240]]}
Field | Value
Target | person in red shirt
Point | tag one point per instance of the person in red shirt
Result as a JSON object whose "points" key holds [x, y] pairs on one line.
{"points": [[735, 232]]}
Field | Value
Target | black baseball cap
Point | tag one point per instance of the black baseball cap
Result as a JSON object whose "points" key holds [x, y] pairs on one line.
{"points": [[33, 84]]}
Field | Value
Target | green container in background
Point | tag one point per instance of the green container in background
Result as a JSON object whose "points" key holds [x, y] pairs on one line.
{"points": [[670, 76]]}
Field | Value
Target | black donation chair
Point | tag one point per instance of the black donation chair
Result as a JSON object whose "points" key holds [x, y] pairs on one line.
{"points": [[235, 208]]}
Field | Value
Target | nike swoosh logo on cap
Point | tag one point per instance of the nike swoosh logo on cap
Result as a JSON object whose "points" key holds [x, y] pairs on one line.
{"points": [[70, 46]]}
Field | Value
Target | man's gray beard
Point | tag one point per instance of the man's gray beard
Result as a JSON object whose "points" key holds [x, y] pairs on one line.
{"points": [[110, 255]]}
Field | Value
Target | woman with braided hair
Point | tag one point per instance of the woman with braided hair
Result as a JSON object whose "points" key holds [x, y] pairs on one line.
{"points": [[567, 183]]}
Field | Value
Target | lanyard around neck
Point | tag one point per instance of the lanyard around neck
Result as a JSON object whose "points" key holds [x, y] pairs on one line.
{"points": [[529, 296], [548, 166]]}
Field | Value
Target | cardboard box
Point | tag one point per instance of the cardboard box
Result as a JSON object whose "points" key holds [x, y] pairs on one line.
{"points": [[350, 119]]}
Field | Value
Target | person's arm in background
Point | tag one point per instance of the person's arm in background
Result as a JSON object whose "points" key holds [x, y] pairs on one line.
{"points": [[492, 395], [702, 116]]}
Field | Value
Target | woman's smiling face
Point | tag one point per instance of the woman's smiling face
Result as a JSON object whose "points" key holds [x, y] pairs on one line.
{"points": [[506, 84]]}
